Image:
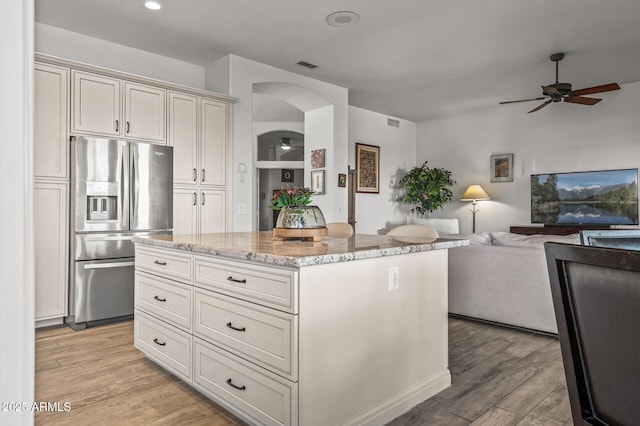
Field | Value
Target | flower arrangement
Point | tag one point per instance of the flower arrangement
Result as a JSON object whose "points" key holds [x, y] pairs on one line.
{"points": [[291, 196]]}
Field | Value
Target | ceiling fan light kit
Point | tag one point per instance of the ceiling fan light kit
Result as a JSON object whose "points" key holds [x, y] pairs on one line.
{"points": [[557, 91]]}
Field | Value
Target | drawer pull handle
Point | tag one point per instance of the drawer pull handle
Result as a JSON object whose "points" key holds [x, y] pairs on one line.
{"points": [[157, 262], [230, 278], [157, 342], [235, 328], [230, 383], [160, 299]]}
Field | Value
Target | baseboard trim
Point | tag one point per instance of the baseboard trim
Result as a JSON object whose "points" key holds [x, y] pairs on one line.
{"points": [[403, 402], [501, 324]]}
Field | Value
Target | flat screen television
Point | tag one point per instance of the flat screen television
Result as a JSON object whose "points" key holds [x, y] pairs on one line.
{"points": [[600, 198]]}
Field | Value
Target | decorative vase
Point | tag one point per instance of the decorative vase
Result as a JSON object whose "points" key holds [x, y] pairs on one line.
{"points": [[300, 217]]}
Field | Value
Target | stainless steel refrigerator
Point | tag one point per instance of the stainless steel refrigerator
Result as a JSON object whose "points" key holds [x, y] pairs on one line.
{"points": [[120, 189]]}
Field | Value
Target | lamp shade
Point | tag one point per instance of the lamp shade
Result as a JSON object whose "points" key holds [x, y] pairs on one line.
{"points": [[473, 193]]}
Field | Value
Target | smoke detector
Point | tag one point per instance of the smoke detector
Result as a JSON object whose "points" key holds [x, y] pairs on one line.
{"points": [[342, 19]]}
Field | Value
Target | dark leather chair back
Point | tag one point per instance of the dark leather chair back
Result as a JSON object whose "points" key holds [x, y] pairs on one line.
{"points": [[596, 297], [614, 238]]}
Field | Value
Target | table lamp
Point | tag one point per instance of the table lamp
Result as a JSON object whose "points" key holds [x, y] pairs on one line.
{"points": [[474, 193]]}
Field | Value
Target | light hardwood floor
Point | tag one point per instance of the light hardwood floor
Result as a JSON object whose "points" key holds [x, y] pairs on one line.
{"points": [[500, 377]]}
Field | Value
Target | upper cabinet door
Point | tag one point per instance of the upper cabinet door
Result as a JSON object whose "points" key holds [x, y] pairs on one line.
{"points": [[213, 143], [144, 111], [183, 136], [50, 121], [95, 104]]}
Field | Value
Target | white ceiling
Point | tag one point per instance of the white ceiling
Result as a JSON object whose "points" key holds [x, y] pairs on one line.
{"points": [[414, 59]]}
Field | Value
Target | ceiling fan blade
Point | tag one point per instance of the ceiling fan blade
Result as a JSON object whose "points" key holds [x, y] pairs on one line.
{"points": [[550, 90], [582, 100], [539, 107], [522, 100], [596, 89]]}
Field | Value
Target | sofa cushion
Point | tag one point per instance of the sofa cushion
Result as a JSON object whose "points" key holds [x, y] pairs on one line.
{"points": [[482, 238], [517, 240]]}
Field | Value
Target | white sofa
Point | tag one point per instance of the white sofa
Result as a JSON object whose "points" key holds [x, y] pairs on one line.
{"points": [[502, 277]]}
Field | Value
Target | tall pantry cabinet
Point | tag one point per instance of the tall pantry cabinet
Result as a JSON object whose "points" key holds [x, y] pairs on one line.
{"points": [[51, 190], [198, 130], [72, 98]]}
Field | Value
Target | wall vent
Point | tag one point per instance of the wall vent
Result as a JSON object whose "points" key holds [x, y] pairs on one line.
{"points": [[392, 122], [306, 65]]}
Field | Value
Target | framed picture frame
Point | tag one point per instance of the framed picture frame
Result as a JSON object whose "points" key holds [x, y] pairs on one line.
{"points": [[342, 180], [317, 158], [287, 175], [317, 182], [367, 168], [502, 168]]}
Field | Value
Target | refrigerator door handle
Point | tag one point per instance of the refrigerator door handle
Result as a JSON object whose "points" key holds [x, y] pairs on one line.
{"points": [[108, 265], [135, 186], [124, 186]]}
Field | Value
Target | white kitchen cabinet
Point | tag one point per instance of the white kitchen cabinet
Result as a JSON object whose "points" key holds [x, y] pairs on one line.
{"points": [[183, 136], [50, 121], [144, 112], [185, 211], [213, 143], [200, 154], [199, 211], [95, 104], [198, 131], [51, 235], [98, 107], [212, 214]]}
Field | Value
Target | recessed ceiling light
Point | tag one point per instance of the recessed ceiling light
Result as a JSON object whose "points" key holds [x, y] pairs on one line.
{"points": [[153, 5], [342, 19]]}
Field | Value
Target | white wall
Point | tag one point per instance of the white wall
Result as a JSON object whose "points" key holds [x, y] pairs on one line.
{"points": [[559, 138], [16, 227], [81, 48], [242, 75], [397, 156]]}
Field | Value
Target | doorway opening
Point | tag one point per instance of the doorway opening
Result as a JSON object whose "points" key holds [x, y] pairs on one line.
{"points": [[281, 164]]}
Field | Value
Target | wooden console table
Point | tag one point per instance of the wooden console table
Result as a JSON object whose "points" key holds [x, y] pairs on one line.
{"points": [[550, 230]]}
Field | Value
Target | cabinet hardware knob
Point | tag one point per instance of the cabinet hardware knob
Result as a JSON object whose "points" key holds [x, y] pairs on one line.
{"points": [[117, 126], [159, 343], [230, 383], [157, 262], [242, 281], [128, 127], [203, 175], [160, 299], [195, 175], [235, 328]]}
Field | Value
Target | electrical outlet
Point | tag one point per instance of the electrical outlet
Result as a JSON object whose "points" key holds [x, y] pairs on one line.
{"points": [[242, 208], [394, 278]]}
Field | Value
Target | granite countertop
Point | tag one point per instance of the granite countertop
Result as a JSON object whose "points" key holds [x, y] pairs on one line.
{"points": [[260, 247]]}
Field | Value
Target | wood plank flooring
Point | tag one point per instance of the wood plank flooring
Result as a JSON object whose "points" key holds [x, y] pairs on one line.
{"points": [[500, 377]]}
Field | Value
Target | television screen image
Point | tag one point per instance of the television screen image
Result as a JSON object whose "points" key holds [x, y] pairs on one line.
{"points": [[607, 197]]}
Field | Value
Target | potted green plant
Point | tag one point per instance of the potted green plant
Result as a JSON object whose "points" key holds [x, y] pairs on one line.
{"points": [[427, 188], [292, 201]]}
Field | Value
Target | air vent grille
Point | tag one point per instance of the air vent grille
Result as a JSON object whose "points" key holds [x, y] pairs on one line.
{"points": [[392, 122], [306, 65]]}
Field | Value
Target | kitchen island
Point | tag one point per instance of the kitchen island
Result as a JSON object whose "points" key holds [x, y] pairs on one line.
{"points": [[342, 331]]}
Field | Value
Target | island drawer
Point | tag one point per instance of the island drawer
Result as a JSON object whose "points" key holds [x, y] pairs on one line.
{"points": [[267, 398], [268, 286], [163, 262], [164, 344], [262, 335], [166, 299]]}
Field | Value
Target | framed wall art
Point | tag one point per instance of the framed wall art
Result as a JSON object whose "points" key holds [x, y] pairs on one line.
{"points": [[502, 168], [317, 182], [287, 175], [317, 158], [342, 180], [367, 168]]}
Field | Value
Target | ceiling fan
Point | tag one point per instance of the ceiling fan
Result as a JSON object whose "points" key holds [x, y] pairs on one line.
{"points": [[557, 92]]}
